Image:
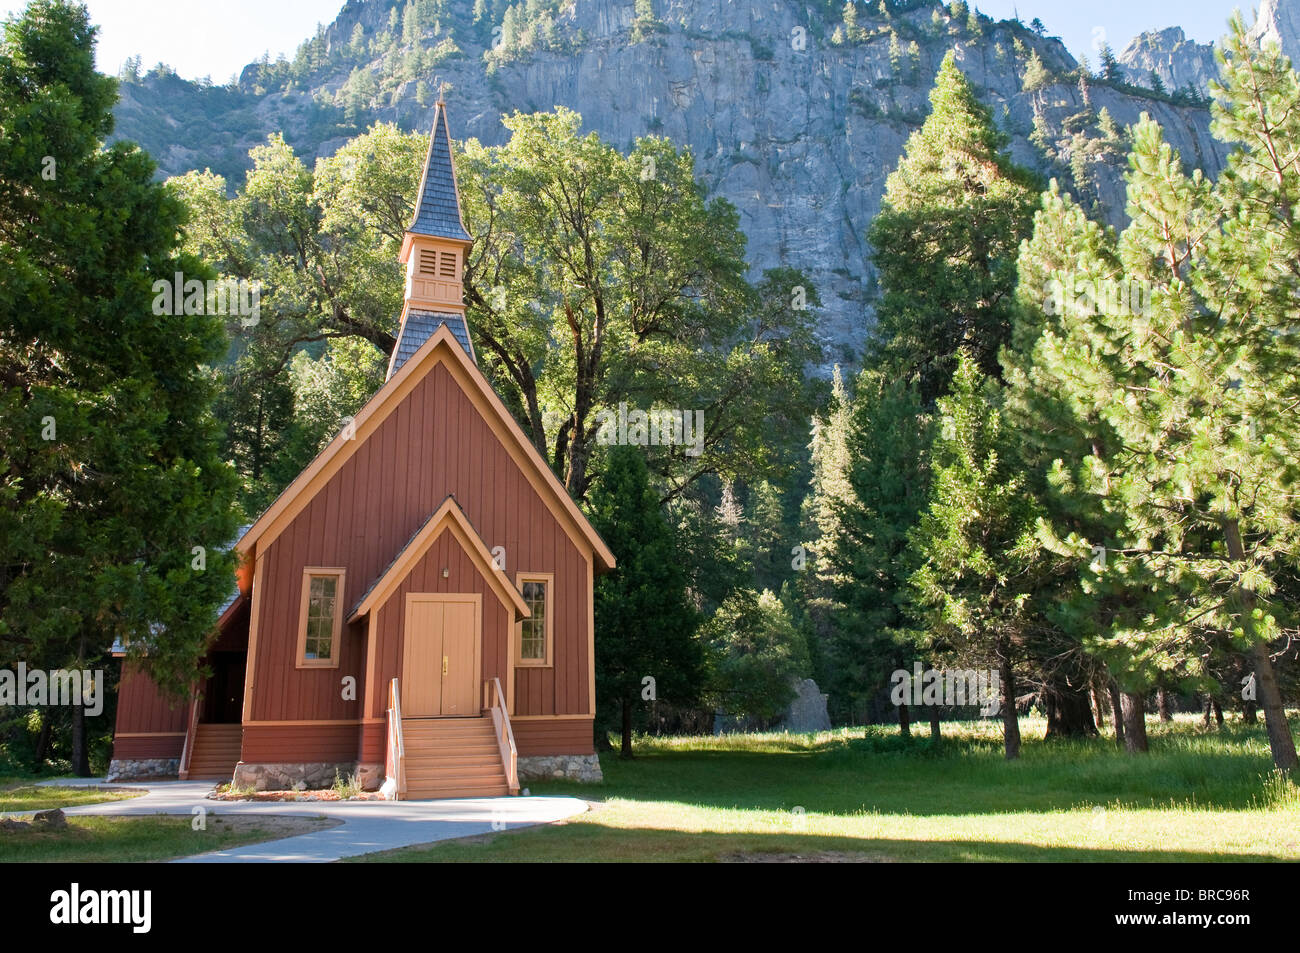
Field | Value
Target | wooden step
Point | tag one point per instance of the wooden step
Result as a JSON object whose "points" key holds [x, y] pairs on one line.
{"points": [[428, 792], [216, 751]]}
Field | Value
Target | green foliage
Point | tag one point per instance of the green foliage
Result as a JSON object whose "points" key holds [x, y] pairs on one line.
{"points": [[944, 242], [110, 474], [644, 624], [600, 279], [755, 653]]}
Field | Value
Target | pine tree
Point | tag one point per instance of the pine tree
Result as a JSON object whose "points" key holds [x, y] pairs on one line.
{"points": [[888, 443], [644, 624], [110, 475], [945, 241], [976, 543]]}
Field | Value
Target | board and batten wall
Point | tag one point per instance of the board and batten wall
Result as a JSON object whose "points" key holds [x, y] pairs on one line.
{"points": [[438, 441], [150, 724]]}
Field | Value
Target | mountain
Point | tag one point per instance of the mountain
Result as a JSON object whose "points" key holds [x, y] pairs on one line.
{"points": [[1179, 62], [792, 114]]}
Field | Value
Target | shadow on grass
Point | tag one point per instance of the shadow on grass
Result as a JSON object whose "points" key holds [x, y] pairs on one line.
{"points": [[579, 843]]}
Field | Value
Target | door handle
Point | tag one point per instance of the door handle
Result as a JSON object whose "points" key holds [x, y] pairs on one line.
{"points": [[444, 665]]}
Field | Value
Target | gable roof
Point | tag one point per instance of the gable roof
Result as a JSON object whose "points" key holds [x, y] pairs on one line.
{"points": [[437, 210], [441, 348], [418, 326], [448, 517]]}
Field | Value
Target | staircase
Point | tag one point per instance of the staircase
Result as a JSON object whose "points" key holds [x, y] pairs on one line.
{"points": [[216, 752], [452, 757]]}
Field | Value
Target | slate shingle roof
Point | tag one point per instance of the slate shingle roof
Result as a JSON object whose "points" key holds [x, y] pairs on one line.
{"points": [[438, 211], [422, 325]]}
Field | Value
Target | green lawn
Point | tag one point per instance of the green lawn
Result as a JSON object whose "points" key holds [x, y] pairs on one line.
{"points": [[139, 839], [34, 798], [1199, 795]]}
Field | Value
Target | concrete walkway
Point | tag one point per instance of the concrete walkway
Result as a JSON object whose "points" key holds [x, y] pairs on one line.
{"points": [[368, 826]]}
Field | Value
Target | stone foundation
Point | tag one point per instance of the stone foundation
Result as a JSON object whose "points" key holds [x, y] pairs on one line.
{"points": [[569, 767], [143, 769], [291, 776], [370, 776]]}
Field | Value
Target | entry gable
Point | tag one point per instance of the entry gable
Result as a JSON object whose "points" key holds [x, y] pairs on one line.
{"points": [[449, 517]]}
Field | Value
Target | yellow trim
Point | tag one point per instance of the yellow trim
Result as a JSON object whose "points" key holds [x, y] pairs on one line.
{"points": [[372, 636], [255, 612], [336, 641], [548, 658], [448, 516], [441, 348], [308, 721], [552, 717]]}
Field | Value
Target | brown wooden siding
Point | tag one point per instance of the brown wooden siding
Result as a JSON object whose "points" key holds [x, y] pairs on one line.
{"points": [[554, 736], [271, 744], [434, 444], [150, 746], [142, 708], [374, 743]]}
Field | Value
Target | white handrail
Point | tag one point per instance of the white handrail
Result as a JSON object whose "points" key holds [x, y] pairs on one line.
{"points": [[395, 760], [496, 703]]}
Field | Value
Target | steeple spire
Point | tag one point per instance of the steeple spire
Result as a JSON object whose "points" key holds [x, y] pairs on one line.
{"points": [[434, 249]]}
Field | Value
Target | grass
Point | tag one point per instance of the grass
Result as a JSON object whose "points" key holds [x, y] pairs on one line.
{"points": [[868, 795], [34, 798], [149, 838]]}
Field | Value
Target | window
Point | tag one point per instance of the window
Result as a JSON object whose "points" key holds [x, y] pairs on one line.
{"points": [[321, 618], [535, 629]]}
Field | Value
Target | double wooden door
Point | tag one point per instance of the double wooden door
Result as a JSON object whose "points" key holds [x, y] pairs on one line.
{"points": [[441, 657]]}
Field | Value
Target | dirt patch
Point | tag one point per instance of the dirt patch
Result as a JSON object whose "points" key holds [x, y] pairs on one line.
{"points": [[274, 825], [802, 857]]}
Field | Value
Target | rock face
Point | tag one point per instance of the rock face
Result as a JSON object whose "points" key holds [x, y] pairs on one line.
{"points": [[1179, 62], [567, 767], [794, 122], [143, 769], [807, 712], [298, 776], [1279, 22]]}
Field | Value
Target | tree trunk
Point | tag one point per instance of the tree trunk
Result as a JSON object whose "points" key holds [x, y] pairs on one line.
{"points": [[904, 721], [936, 732], [1010, 717], [80, 746], [1069, 711], [1162, 703], [1248, 711], [625, 750], [43, 739], [1209, 705], [1117, 713], [1218, 712], [1098, 709], [1133, 707], [1269, 696]]}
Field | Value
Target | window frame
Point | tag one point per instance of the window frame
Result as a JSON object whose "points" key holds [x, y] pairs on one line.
{"points": [[548, 658], [336, 641]]}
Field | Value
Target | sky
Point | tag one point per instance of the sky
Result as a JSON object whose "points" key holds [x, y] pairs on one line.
{"points": [[217, 40]]}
